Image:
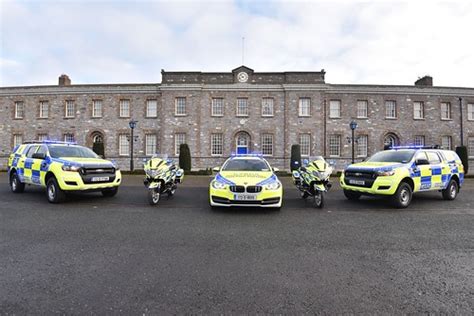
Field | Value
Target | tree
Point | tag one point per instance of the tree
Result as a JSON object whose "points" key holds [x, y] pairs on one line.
{"points": [[184, 157], [462, 153], [295, 160]]}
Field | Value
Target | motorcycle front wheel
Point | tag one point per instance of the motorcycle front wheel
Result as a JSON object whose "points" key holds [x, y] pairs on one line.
{"points": [[153, 197], [318, 199]]}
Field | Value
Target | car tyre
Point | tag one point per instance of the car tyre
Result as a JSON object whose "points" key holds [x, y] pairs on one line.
{"points": [[110, 192], [451, 190], [54, 192], [352, 195], [403, 196], [15, 184]]}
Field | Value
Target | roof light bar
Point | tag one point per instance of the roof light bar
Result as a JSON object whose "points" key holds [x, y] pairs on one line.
{"points": [[415, 147], [48, 141]]}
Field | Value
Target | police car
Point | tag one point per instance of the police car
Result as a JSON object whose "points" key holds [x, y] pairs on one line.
{"points": [[61, 167], [402, 171], [246, 180]]}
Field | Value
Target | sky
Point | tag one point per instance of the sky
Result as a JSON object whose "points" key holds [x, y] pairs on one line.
{"points": [[379, 42]]}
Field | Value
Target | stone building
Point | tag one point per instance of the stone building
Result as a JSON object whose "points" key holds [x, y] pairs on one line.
{"points": [[239, 111]]}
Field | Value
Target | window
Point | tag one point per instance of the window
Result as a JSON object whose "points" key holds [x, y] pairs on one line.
{"points": [[305, 145], [180, 106], [43, 109], [31, 151], [69, 110], [179, 138], [419, 140], [334, 145], [242, 107], [446, 142], [217, 142], [124, 108], [69, 137], [470, 111], [97, 108], [267, 107], [151, 108], [470, 146], [150, 144], [433, 157], [217, 107], [42, 136], [362, 109], [418, 110], [267, 144], [445, 111], [19, 110], [334, 109], [124, 145], [362, 146], [390, 109], [17, 139], [304, 108]]}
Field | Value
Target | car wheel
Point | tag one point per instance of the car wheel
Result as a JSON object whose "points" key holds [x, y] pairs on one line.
{"points": [[402, 198], [54, 192], [352, 195], [451, 190], [110, 192], [15, 184]]}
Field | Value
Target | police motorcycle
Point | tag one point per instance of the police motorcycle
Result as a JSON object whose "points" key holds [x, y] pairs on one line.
{"points": [[161, 176], [312, 179]]}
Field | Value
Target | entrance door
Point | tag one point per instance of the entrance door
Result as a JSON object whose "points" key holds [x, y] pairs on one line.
{"points": [[98, 144], [242, 143]]}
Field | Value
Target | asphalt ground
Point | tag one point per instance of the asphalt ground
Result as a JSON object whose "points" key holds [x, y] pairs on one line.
{"points": [[95, 255]]}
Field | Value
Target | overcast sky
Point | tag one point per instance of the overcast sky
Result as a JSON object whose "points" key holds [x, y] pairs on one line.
{"points": [[123, 41]]}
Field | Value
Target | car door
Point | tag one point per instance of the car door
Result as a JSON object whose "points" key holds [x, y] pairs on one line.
{"points": [[38, 169], [422, 172], [28, 164], [436, 169]]}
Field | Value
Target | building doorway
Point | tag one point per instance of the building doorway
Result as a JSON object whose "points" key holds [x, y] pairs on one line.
{"points": [[242, 143], [98, 143], [391, 140]]}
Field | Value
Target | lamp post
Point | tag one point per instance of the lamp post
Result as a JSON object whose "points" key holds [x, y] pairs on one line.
{"points": [[353, 126], [461, 119], [132, 125]]}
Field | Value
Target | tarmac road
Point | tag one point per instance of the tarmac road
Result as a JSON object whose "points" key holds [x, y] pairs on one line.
{"points": [[95, 255]]}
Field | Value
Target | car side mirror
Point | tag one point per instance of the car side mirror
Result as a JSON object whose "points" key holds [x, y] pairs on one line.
{"points": [[216, 169], [421, 162], [275, 169], [39, 156]]}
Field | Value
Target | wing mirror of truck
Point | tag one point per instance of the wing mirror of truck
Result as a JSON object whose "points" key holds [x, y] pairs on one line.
{"points": [[216, 169], [421, 162]]}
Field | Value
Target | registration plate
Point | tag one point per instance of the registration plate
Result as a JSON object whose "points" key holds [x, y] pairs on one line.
{"points": [[99, 179], [357, 182], [245, 197]]}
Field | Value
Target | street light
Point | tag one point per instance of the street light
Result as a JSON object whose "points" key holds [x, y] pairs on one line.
{"points": [[132, 125], [353, 126]]}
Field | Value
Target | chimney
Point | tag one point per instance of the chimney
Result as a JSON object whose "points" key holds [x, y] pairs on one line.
{"points": [[64, 80], [426, 81]]}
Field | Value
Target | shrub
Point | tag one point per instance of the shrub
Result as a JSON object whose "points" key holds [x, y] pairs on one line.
{"points": [[295, 160], [462, 153], [184, 157]]}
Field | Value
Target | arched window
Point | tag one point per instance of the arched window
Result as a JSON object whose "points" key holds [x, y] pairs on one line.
{"points": [[242, 143], [391, 140]]}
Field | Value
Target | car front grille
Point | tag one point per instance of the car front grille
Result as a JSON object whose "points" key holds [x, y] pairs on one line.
{"points": [[237, 188], [254, 189], [242, 189], [367, 176]]}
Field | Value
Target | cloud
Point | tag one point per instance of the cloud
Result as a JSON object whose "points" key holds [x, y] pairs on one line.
{"points": [[355, 42]]}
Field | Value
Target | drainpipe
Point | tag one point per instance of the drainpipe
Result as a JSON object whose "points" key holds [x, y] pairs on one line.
{"points": [[324, 128], [462, 133]]}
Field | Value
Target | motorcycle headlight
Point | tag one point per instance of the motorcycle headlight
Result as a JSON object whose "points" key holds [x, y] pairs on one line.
{"points": [[296, 174], [153, 173], [71, 168], [385, 173], [273, 186], [218, 185]]}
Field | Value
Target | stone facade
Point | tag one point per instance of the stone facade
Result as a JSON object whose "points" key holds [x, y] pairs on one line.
{"points": [[193, 93]]}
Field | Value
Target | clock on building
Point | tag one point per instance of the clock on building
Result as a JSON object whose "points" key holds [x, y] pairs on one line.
{"points": [[242, 77]]}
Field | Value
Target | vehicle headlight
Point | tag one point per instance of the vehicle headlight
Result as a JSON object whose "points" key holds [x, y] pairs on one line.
{"points": [[218, 185], [385, 173], [273, 186], [72, 168], [296, 174]]}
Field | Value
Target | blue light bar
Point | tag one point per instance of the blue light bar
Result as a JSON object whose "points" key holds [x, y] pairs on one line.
{"points": [[253, 154], [415, 147]]}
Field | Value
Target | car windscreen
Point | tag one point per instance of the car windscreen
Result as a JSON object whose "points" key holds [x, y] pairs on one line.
{"points": [[246, 165], [58, 151], [401, 156]]}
